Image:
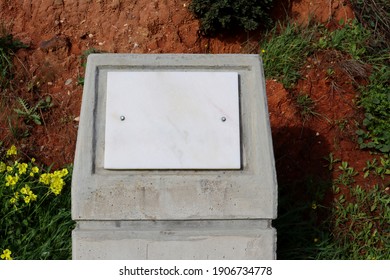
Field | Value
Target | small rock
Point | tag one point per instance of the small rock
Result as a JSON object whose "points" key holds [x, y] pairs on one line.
{"points": [[90, 35], [55, 43], [58, 3], [77, 119], [68, 82]]}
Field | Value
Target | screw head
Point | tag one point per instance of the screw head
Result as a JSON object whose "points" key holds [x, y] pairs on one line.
{"points": [[122, 118], [223, 119]]}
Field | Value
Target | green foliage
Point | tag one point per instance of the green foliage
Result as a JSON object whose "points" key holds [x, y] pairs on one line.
{"points": [[352, 39], [284, 52], [224, 15], [306, 106], [331, 161], [30, 113], [346, 177], [360, 226], [375, 16], [356, 225], [381, 168], [35, 221], [375, 99], [8, 45]]}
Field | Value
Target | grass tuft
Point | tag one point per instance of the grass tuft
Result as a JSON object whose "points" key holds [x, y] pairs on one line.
{"points": [[8, 46], [284, 52]]}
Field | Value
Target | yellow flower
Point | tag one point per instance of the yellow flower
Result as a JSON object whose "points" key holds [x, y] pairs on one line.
{"points": [[64, 172], [32, 160], [315, 240], [45, 178], [6, 255], [25, 190], [3, 167], [11, 180], [14, 199], [29, 195], [61, 173], [10, 169], [22, 167], [57, 183], [27, 199], [34, 170], [314, 206], [54, 180], [263, 51], [12, 151], [33, 197]]}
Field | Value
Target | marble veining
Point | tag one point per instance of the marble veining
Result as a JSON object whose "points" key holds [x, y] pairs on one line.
{"points": [[172, 120]]}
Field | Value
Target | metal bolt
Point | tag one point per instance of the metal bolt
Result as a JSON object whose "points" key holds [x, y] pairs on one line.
{"points": [[223, 119], [122, 118]]}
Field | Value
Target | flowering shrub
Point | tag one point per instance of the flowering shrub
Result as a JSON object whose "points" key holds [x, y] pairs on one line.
{"points": [[33, 210]]}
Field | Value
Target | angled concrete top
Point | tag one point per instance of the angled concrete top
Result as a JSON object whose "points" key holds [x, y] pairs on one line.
{"points": [[249, 192]]}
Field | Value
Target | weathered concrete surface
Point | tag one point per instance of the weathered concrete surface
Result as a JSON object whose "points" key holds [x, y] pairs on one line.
{"points": [[211, 240], [173, 194], [99, 195]]}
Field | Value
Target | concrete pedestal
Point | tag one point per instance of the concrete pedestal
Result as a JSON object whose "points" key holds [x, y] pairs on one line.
{"points": [[175, 213]]}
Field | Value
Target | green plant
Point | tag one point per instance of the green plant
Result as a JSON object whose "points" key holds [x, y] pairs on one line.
{"points": [[375, 16], [8, 45], [29, 113], [18, 131], [330, 72], [379, 170], [35, 218], [306, 106], [331, 161], [352, 38], [347, 174], [375, 100], [360, 227], [224, 15], [356, 225], [284, 52]]}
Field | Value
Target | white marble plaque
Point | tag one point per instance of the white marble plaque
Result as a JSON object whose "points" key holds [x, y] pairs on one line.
{"points": [[172, 120]]}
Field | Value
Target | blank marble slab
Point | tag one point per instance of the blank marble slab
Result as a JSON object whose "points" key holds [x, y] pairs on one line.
{"points": [[172, 120]]}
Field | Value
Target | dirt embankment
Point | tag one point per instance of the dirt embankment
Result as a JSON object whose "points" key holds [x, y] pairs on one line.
{"points": [[59, 32]]}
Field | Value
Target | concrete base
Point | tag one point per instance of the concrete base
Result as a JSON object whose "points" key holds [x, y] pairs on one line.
{"points": [[178, 240]]}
